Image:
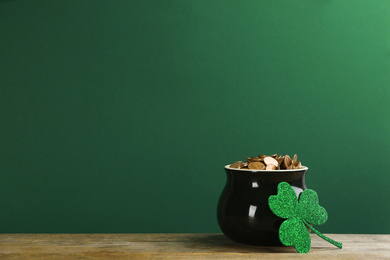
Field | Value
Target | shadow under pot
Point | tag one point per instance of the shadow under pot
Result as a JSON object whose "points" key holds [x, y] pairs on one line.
{"points": [[243, 212]]}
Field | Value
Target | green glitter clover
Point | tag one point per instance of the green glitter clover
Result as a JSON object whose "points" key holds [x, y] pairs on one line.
{"points": [[299, 215]]}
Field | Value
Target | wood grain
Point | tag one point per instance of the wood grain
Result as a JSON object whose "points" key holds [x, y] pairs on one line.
{"points": [[180, 246]]}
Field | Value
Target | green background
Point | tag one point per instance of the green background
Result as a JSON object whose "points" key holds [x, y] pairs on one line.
{"points": [[118, 116]]}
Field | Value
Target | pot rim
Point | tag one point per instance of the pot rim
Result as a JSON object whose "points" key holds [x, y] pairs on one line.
{"points": [[261, 171]]}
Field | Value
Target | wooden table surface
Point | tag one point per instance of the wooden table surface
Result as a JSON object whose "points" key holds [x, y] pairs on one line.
{"points": [[180, 246]]}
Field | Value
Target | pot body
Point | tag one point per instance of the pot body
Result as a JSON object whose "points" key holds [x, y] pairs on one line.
{"points": [[243, 212]]}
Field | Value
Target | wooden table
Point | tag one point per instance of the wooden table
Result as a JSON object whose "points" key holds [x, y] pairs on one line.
{"points": [[180, 246]]}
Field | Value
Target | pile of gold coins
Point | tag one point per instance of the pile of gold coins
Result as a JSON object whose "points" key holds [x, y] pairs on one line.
{"points": [[272, 162]]}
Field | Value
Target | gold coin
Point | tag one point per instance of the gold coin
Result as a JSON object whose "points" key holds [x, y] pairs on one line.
{"points": [[287, 161], [280, 160], [299, 166], [270, 167], [244, 165], [256, 166], [270, 160], [295, 160], [236, 164]]}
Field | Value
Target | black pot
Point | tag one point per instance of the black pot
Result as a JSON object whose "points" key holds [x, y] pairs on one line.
{"points": [[243, 211]]}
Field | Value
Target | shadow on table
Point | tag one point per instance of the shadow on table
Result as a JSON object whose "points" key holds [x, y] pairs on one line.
{"points": [[219, 243]]}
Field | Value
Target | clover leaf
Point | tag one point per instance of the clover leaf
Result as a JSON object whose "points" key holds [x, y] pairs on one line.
{"points": [[299, 216]]}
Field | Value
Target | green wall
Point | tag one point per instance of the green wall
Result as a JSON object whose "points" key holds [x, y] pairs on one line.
{"points": [[118, 116]]}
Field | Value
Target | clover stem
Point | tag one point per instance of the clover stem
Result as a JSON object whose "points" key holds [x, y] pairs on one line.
{"points": [[338, 244]]}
